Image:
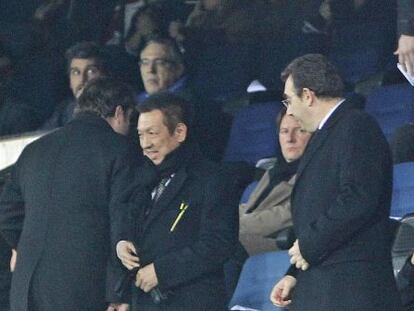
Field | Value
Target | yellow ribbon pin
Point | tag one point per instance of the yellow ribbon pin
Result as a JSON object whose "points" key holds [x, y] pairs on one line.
{"points": [[183, 208]]}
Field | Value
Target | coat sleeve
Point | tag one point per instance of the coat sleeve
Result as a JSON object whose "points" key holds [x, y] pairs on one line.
{"points": [[406, 17], [123, 175], [217, 239], [266, 220], [364, 172], [12, 209]]}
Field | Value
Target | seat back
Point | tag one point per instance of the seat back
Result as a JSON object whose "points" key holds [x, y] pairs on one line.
{"points": [[260, 273], [392, 106], [253, 135], [403, 190]]}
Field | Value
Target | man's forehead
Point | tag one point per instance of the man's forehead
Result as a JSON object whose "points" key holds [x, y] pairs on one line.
{"points": [[83, 62], [151, 118], [155, 50]]}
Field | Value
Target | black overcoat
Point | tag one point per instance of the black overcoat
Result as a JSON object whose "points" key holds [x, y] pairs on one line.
{"points": [[56, 210], [340, 209], [189, 260]]}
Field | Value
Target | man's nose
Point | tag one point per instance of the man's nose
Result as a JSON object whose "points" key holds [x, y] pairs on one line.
{"points": [[291, 136], [152, 67], [145, 142]]}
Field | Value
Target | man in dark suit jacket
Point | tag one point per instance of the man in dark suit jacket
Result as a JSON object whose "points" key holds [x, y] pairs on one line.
{"points": [[180, 238], [340, 203], [56, 209]]}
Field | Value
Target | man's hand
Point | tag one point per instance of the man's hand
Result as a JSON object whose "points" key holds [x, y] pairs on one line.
{"points": [[281, 292], [127, 253], [13, 260], [405, 53], [146, 278], [296, 257], [118, 307]]}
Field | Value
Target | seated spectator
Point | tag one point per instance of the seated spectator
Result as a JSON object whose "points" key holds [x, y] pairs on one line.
{"points": [[147, 21], [405, 282], [163, 69], [402, 144], [85, 61], [268, 208], [231, 18]]}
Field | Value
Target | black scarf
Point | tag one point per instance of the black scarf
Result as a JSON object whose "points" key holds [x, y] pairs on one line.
{"points": [[174, 161]]}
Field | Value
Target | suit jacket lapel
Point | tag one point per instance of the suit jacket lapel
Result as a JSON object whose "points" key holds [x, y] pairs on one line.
{"points": [[167, 196]]}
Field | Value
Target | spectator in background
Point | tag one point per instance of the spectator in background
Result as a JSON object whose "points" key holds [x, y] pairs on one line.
{"points": [[61, 223], [405, 50], [163, 69], [147, 21], [85, 61], [268, 208]]}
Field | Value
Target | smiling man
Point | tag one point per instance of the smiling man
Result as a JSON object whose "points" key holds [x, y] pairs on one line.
{"points": [[341, 259], [183, 224]]}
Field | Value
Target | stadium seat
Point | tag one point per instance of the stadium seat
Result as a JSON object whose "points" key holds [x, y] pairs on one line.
{"points": [[392, 106], [253, 135], [403, 189], [259, 275]]}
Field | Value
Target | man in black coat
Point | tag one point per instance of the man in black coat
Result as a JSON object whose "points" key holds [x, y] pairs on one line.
{"points": [[179, 237], [57, 207], [340, 203]]}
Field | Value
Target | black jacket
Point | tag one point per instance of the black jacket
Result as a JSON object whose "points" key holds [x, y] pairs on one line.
{"points": [[189, 259], [56, 210], [340, 208]]}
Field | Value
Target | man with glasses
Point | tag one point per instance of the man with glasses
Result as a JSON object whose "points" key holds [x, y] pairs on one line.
{"points": [[340, 203], [162, 69]]}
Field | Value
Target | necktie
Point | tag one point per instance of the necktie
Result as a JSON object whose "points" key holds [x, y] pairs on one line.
{"points": [[160, 189]]}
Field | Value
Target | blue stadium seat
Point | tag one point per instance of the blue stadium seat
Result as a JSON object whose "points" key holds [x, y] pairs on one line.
{"points": [[392, 106], [403, 189], [260, 273], [253, 134]]}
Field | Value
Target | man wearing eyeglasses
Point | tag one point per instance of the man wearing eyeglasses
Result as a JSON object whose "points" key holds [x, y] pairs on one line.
{"points": [[162, 69], [340, 203]]}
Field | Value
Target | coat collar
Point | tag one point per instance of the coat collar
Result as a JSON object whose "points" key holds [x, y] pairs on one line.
{"points": [[319, 137], [170, 192]]}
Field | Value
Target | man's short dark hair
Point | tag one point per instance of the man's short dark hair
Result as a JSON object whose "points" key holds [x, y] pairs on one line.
{"points": [[103, 95], [315, 72], [88, 50], [174, 51], [174, 108]]}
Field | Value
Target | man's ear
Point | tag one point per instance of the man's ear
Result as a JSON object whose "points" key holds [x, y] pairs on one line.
{"points": [[308, 96], [181, 132], [119, 112]]}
